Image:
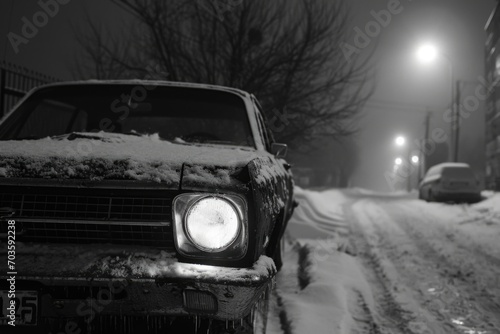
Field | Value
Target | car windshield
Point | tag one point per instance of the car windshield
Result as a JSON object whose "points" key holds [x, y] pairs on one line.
{"points": [[191, 115], [458, 173]]}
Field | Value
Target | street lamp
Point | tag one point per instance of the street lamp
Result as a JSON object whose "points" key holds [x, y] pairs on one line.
{"points": [[398, 161], [415, 159], [400, 140], [428, 53]]}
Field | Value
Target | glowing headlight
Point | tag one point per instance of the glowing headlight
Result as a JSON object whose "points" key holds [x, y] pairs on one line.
{"points": [[212, 224]]}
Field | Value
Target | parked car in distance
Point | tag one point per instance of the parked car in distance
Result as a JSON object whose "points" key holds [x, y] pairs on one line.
{"points": [[141, 206], [450, 181]]}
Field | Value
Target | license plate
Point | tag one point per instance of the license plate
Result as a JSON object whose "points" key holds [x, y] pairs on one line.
{"points": [[26, 308]]}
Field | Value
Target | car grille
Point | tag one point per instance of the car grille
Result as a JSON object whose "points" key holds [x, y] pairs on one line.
{"points": [[88, 207], [92, 216]]}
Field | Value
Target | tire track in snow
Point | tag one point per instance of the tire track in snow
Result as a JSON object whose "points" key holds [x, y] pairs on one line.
{"points": [[366, 324], [320, 288], [329, 220], [458, 240], [481, 306], [422, 276], [389, 316]]}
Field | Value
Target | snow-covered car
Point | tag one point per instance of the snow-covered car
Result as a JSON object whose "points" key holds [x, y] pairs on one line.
{"points": [[450, 181], [136, 206]]}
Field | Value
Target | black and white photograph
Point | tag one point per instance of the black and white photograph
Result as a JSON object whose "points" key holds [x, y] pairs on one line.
{"points": [[249, 166]]}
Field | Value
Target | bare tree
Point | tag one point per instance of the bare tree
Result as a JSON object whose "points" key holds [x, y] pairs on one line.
{"points": [[286, 52]]}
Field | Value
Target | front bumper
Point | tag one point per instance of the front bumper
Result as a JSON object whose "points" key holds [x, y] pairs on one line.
{"points": [[138, 285], [449, 195]]}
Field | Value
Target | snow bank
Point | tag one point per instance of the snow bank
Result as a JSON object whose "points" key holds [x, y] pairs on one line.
{"points": [[330, 301], [319, 214], [483, 213], [321, 288], [491, 203]]}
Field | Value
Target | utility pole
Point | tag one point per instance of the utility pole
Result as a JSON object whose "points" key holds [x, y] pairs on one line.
{"points": [[408, 178], [422, 167], [456, 118]]}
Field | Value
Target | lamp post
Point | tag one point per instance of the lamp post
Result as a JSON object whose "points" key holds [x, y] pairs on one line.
{"points": [[426, 54]]}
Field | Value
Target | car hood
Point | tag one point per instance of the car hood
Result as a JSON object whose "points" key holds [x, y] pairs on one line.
{"points": [[99, 156]]}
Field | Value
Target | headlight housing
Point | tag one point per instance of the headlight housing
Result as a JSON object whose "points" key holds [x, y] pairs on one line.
{"points": [[210, 225]]}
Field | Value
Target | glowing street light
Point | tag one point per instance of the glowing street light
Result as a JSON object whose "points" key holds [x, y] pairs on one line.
{"points": [[400, 140], [427, 53], [409, 159]]}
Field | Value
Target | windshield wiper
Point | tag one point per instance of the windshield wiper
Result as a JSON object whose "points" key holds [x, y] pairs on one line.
{"points": [[75, 135], [26, 138]]}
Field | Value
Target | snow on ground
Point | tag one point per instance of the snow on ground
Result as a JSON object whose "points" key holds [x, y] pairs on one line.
{"points": [[446, 261], [320, 287], [476, 225], [420, 268]]}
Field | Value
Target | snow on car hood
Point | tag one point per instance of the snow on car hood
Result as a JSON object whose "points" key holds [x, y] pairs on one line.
{"points": [[98, 156]]}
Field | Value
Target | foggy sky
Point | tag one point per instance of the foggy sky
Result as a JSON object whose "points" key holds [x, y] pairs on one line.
{"points": [[457, 29]]}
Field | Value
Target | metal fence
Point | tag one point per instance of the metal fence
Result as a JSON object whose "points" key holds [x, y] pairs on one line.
{"points": [[15, 81]]}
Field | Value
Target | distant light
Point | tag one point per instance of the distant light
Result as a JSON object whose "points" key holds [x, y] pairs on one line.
{"points": [[398, 161], [415, 159], [400, 140], [427, 53]]}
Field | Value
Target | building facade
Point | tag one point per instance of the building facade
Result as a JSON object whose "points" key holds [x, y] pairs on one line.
{"points": [[492, 116]]}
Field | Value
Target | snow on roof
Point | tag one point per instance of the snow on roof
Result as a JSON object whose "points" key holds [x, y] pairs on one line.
{"points": [[141, 82], [451, 164], [113, 156]]}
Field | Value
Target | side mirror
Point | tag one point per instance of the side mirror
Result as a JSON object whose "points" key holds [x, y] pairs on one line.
{"points": [[279, 150]]}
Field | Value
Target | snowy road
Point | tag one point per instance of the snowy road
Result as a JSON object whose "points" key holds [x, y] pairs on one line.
{"points": [[359, 262]]}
